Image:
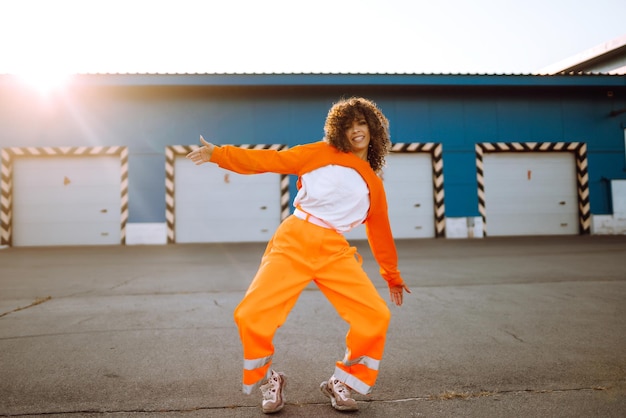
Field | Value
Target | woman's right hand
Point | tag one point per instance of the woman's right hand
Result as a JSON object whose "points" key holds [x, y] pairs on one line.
{"points": [[203, 154]]}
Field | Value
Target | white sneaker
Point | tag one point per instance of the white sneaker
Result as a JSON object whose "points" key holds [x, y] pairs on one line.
{"points": [[339, 394], [273, 393]]}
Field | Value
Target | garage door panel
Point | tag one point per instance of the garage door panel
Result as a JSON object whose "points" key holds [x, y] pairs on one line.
{"points": [[408, 182], [69, 196], [403, 160], [402, 227], [409, 227], [554, 205], [213, 180], [527, 224], [223, 211], [541, 162], [253, 229], [522, 190], [530, 193], [415, 183], [256, 198], [54, 171], [39, 234], [408, 219], [63, 200], [226, 206], [247, 193], [49, 212], [539, 195], [416, 193], [408, 203], [214, 174], [217, 205]]}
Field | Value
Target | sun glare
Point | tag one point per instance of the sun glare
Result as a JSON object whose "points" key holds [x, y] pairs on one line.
{"points": [[44, 82]]}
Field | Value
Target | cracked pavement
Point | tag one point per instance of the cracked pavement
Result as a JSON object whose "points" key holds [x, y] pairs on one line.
{"points": [[497, 327]]}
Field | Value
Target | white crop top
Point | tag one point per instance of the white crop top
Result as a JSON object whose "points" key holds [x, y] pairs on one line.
{"points": [[337, 195]]}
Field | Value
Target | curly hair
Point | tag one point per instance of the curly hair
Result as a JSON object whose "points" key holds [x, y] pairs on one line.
{"points": [[340, 117]]}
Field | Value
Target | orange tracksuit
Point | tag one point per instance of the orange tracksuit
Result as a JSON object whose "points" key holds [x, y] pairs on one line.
{"points": [[300, 252]]}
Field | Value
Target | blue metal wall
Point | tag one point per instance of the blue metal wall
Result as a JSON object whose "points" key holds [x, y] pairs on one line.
{"points": [[149, 118]]}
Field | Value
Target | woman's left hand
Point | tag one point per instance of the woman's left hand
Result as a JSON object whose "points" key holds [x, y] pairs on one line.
{"points": [[397, 293]]}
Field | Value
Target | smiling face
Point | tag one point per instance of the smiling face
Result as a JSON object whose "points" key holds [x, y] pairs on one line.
{"points": [[358, 135], [356, 125]]}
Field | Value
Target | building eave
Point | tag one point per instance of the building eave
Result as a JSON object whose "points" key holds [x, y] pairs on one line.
{"points": [[340, 79]]}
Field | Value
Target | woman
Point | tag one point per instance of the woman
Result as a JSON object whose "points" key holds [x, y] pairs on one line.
{"points": [[338, 189]]}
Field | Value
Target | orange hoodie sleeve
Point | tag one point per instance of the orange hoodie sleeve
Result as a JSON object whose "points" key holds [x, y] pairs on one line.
{"points": [[256, 161], [380, 238]]}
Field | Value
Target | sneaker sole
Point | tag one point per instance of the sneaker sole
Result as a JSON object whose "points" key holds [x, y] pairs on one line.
{"points": [[333, 401], [282, 396]]}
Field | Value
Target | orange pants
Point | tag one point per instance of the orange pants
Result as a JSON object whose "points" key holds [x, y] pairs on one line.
{"points": [[298, 253]]}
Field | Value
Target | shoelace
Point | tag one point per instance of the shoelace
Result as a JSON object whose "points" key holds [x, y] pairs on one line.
{"points": [[269, 389], [342, 389]]}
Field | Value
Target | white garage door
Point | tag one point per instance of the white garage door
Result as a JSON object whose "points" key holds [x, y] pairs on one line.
{"points": [[66, 200], [408, 179], [217, 205], [530, 193]]}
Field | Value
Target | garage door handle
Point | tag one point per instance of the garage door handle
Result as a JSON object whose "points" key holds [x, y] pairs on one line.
{"points": [[562, 203], [263, 207], [417, 205]]}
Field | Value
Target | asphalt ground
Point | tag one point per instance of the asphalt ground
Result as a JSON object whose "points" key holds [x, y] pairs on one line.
{"points": [[495, 327]]}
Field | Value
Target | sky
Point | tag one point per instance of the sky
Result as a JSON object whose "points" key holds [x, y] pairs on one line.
{"points": [[315, 36]]}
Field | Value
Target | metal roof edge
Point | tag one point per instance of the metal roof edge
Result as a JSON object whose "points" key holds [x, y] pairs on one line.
{"points": [[587, 56], [341, 79], [354, 79]]}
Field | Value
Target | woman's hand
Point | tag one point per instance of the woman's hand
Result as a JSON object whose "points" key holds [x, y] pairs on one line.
{"points": [[202, 154], [397, 293]]}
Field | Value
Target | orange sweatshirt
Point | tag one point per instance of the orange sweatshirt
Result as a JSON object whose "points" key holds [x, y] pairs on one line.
{"points": [[305, 158]]}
